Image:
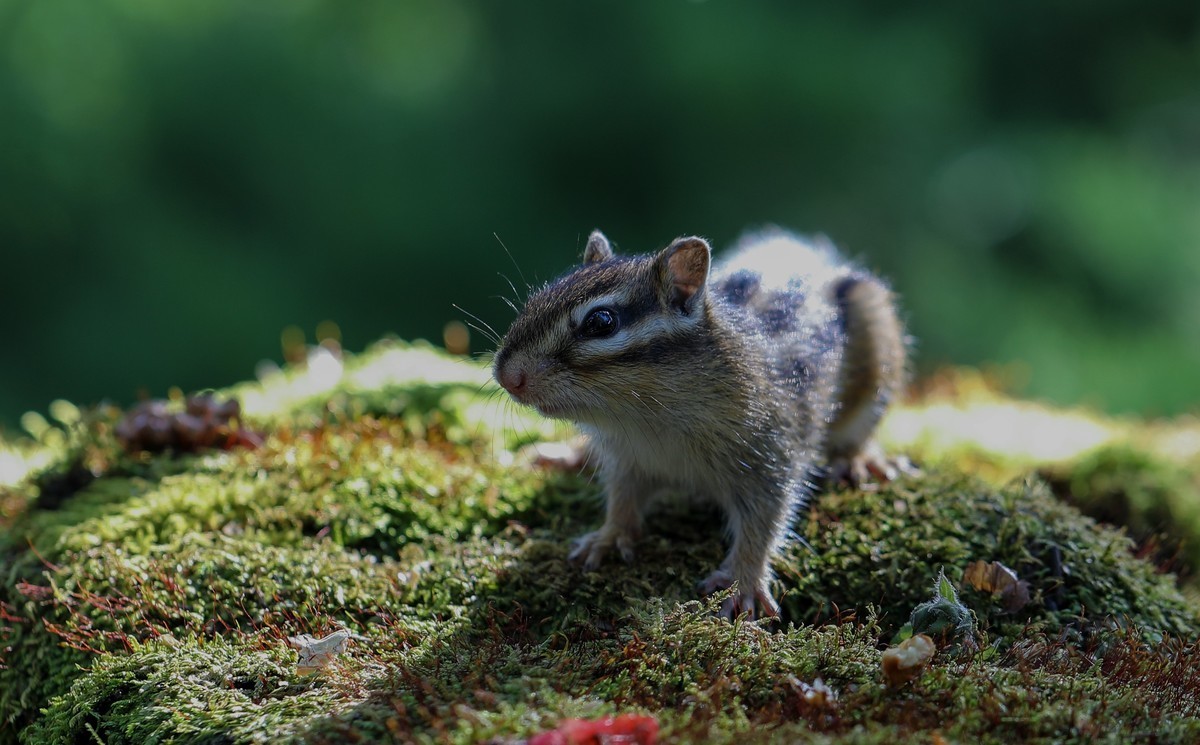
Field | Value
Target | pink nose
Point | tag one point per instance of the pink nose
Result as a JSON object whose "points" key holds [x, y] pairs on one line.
{"points": [[513, 380]]}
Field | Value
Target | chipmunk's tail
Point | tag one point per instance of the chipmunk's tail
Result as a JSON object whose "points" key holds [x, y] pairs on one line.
{"points": [[874, 367]]}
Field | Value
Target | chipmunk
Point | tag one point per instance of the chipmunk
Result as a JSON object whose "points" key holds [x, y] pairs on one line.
{"points": [[739, 384]]}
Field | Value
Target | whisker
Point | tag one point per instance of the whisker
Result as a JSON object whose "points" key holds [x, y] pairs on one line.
{"points": [[509, 303], [483, 385], [494, 336], [489, 335], [511, 286], [520, 273], [641, 401]]}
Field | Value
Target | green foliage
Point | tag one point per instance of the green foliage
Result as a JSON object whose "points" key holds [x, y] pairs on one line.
{"points": [[942, 617], [181, 182]]}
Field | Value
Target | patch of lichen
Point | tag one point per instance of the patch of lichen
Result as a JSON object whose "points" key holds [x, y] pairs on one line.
{"points": [[152, 603]]}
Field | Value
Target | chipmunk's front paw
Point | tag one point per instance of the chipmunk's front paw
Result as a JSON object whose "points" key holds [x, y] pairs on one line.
{"points": [[591, 548], [871, 466], [750, 601], [571, 455]]}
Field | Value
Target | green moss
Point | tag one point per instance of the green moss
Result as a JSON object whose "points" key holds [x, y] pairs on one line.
{"points": [[106, 600], [1143, 476], [885, 548], [368, 483], [468, 681], [183, 692], [1156, 498], [152, 603]]}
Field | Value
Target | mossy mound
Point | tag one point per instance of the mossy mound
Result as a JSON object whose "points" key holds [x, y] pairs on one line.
{"points": [[883, 548], [151, 601], [1155, 498], [1142, 476]]}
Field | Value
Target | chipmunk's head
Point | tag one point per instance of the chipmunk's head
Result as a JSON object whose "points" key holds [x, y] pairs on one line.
{"points": [[603, 336]]}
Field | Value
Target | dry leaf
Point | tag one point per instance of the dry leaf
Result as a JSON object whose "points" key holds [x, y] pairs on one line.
{"points": [[315, 653], [152, 426], [817, 694], [906, 661], [998, 579]]}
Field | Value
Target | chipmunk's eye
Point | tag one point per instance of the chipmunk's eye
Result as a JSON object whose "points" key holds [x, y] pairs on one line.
{"points": [[599, 323]]}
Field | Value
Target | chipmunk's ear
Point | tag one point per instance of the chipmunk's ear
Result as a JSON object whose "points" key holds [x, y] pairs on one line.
{"points": [[598, 248], [683, 272]]}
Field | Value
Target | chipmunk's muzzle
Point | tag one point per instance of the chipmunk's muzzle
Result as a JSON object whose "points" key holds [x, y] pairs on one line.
{"points": [[513, 380], [509, 373], [514, 373], [525, 382]]}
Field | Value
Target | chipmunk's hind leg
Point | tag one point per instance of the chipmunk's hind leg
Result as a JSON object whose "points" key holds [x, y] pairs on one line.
{"points": [[871, 377]]}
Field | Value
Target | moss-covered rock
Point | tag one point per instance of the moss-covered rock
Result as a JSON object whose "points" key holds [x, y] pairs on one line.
{"points": [[149, 598]]}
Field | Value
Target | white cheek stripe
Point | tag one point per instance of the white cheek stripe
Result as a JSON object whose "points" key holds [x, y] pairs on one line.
{"points": [[628, 337], [610, 301]]}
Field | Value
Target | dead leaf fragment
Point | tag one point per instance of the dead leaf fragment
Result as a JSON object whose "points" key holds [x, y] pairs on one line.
{"points": [[817, 694], [154, 426], [315, 653], [904, 662], [999, 580]]}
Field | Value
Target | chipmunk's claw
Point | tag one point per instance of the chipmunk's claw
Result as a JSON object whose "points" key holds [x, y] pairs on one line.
{"points": [[752, 603], [591, 548], [570, 455], [871, 467]]}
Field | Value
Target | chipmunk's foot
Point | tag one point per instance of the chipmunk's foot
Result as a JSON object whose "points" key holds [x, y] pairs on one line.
{"points": [[571, 455], [870, 467], [752, 602], [590, 549]]}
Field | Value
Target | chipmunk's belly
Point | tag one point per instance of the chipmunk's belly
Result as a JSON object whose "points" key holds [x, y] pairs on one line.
{"points": [[686, 461]]}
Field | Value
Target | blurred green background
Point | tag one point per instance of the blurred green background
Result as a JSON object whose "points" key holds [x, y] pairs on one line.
{"points": [[180, 181]]}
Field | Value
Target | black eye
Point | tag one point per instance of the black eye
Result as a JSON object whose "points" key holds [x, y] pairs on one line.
{"points": [[599, 323]]}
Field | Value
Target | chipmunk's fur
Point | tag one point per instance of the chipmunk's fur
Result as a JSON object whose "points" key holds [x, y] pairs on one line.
{"points": [[738, 386]]}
